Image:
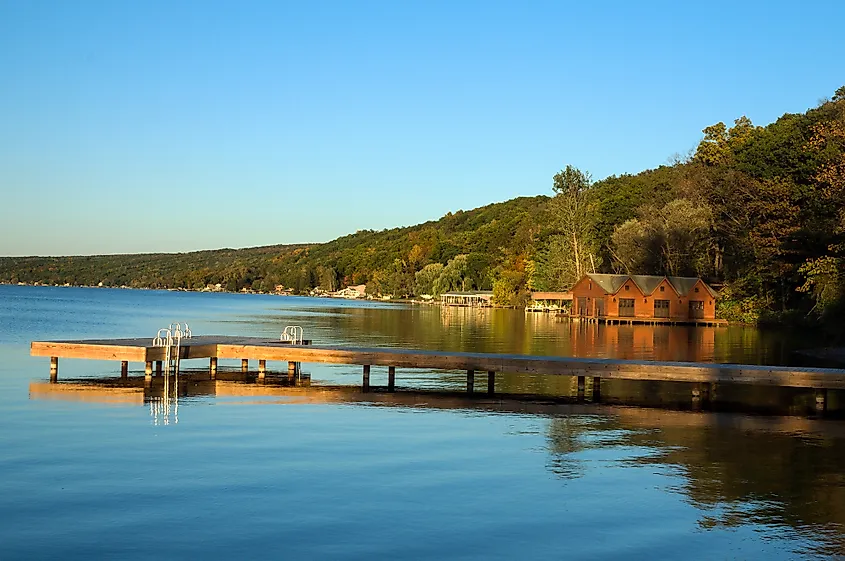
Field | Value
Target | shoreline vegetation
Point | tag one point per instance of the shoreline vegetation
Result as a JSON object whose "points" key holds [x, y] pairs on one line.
{"points": [[757, 212]]}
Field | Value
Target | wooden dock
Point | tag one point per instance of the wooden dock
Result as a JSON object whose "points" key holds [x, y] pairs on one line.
{"points": [[702, 375]]}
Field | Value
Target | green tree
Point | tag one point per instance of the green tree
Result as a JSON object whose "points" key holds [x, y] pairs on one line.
{"points": [[453, 276], [554, 265], [426, 278], [674, 240], [573, 218], [326, 278], [510, 288]]}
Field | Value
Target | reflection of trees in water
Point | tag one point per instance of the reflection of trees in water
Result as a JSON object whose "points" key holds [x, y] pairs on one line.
{"points": [[736, 470], [514, 331], [435, 327], [568, 436], [564, 437]]}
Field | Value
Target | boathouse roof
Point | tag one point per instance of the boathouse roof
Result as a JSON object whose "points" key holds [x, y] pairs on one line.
{"points": [[647, 283]]}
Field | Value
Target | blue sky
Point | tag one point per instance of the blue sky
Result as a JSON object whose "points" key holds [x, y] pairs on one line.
{"points": [[173, 126]]}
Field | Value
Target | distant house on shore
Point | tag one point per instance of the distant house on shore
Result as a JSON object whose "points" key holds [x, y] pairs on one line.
{"points": [[472, 299], [644, 298], [357, 291]]}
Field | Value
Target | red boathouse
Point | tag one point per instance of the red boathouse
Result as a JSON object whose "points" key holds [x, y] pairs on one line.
{"points": [[644, 298]]}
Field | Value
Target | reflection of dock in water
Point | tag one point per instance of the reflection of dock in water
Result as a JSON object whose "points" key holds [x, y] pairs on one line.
{"points": [[245, 389], [590, 373]]}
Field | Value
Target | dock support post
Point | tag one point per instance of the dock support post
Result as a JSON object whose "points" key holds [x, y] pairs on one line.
{"points": [[391, 378], [124, 369], [582, 384], [212, 367], [821, 400], [596, 388], [470, 381], [365, 385], [491, 382], [244, 365], [54, 369], [700, 394], [158, 368], [291, 371], [262, 369], [148, 371]]}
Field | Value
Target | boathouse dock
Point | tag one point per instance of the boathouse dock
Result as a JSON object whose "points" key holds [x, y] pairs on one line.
{"points": [[702, 375]]}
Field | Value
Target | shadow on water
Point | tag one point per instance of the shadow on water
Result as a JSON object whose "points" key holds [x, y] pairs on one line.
{"points": [[782, 473]]}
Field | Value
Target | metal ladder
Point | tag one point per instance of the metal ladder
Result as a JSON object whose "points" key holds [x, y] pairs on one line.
{"points": [[171, 339]]}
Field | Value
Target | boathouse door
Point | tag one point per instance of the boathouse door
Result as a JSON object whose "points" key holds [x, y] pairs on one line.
{"points": [[599, 307], [696, 309], [626, 307], [582, 306], [661, 308]]}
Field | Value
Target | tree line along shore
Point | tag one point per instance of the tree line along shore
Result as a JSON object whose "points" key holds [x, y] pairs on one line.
{"points": [[756, 211]]}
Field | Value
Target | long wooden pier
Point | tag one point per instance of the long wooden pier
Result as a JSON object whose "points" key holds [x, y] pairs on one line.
{"points": [[703, 375]]}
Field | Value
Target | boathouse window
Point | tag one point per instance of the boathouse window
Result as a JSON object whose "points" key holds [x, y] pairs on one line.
{"points": [[662, 289], [627, 287], [696, 290], [590, 285]]}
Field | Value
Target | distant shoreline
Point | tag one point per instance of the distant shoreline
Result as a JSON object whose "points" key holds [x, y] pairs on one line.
{"points": [[242, 293]]}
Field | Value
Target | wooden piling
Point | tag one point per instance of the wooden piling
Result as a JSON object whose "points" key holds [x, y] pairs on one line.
{"points": [[821, 400], [262, 369], [470, 380], [391, 378], [54, 368], [148, 370], [124, 369], [365, 385], [700, 394], [244, 365], [212, 367], [158, 368], [291, 371], [582, 384], [491, 382], [596, 388]]}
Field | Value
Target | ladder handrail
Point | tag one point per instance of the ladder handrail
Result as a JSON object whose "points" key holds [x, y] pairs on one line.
{"points": [[293, 333]]}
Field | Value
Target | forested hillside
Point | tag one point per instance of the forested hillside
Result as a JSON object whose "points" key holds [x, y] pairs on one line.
{"points": [[386, 260], [757, 211]]}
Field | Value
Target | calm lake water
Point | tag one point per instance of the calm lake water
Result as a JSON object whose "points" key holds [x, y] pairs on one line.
{"points": [[92, 468]]}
